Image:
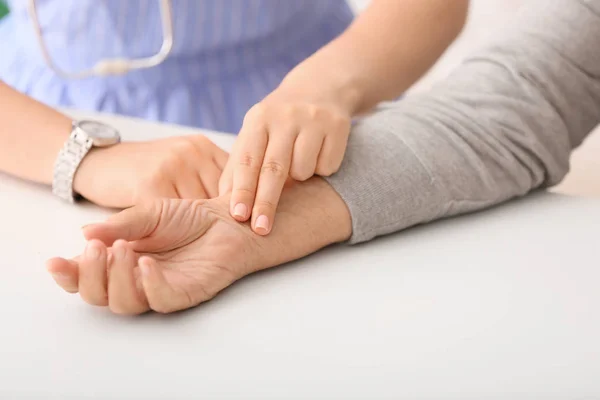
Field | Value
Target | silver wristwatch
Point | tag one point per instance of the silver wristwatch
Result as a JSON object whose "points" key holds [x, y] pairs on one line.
{"points": [[84, 136]]}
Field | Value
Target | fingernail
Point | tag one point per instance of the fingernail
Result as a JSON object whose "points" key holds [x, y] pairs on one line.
{"points": [[240, 210], [262, 222], [92, 252], [61, 276]]}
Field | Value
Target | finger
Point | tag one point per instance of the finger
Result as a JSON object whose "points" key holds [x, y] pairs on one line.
{"points": [[246, 169], [305, 155], [274, 173], [93, 270], [65, 273], [131, 224], [162, 297], [124, 295], [332, 154], [190, 186], [226, 180], [209, 174]]}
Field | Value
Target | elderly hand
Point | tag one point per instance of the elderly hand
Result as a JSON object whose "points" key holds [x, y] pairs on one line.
{"points": [[169, 255], [186, 167], [166, 255], [291, 133]]}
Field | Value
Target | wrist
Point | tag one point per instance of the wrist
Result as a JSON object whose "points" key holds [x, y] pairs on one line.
{"points": [[105, 178], [344, 90], [84, 175], [310, 216], [314, 202]]}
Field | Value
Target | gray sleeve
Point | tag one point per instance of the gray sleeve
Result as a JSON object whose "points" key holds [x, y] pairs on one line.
{"points": [[504, 123]]}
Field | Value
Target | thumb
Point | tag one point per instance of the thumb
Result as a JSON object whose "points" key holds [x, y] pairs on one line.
{"points": [[226, 180], [132, 224], [162, 297]]}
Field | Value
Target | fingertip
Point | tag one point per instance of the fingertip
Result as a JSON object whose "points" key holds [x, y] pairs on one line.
{"points": [[64, 273], [119, 249], [60, 265], [239, 211], [53, 264], [96, 243], [86, 230], [95, 249], [262, 225]]}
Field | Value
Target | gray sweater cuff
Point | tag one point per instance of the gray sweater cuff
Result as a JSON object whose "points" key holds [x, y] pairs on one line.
{"points": [[383, 183]]}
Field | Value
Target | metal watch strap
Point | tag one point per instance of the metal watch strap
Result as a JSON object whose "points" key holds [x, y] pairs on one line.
{"points": [[69, 158]]}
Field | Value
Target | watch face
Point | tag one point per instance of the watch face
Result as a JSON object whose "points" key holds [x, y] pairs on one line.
{"points": [[101, 134]]}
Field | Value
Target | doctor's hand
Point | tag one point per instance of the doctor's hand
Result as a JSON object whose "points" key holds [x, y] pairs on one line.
{"points": [[186, 167], [289, 134], [168, 255]]}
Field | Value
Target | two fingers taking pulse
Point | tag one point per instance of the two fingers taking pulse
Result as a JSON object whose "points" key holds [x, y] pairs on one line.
{"points": [[272, 145]]}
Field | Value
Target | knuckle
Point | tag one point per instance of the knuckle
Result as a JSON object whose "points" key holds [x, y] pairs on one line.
{"points": [[314, 112], [171, 160], [256, 113], [200, 140], [247, 160], [273, 167], [184, 146], [288, 111], [341, 122], [174, 159]]}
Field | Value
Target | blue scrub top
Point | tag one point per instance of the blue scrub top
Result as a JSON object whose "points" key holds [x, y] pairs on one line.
{"points": [[227, 55]]}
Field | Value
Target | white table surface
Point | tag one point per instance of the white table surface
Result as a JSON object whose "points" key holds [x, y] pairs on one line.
{"points": [[497, 305]]}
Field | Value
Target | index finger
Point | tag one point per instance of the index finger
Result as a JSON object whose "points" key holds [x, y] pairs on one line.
{"points": [[247, 161]]}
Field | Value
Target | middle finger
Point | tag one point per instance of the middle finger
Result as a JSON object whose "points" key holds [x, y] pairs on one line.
{"points": [[93, 274], [273, 175], [125, 296]]}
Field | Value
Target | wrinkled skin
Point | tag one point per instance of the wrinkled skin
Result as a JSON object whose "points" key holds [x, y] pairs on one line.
{"points": [[166, 255]]}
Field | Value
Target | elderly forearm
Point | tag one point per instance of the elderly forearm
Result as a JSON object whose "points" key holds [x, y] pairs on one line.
{"points": [[31, 136], [502, 124], [310, 216], [387, 48]]}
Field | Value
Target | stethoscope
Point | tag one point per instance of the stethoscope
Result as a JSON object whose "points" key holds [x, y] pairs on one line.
{"points": [[113, 66]]}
